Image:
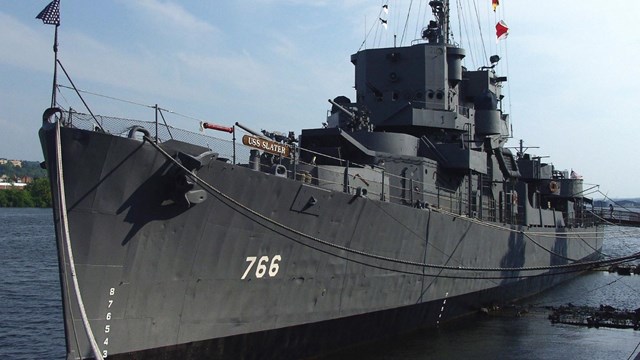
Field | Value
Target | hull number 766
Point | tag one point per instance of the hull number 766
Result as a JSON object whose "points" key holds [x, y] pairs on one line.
{"points": [[263, 266]]}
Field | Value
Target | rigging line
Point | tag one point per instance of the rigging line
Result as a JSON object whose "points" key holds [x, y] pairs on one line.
{"points": [[406, 23], [449, 34], [460, 21], [165, 123], [585, 292], [80, 96], [469, 31], [613, 201], [605, 285], [419, 20], [370, 29], [392, 23], [592, 248], [63, 98], [375, 34], [133, 103], [484, 49], [505, 43], [377, 24], [634, 351], [469, 40], [620, 228], [452, 33], [395, 14], [621, 232], [629, 286], [392, 18], [203, 183], [607, 222], [495, 21], [458, 14], [107, 97]]}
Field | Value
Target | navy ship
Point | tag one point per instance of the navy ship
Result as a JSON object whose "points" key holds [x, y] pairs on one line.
{"points": [[404, 210]]}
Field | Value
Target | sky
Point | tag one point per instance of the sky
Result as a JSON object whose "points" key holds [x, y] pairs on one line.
{"points": [[272, 64]]}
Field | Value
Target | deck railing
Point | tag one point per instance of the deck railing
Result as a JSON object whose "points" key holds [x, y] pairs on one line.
{"points": [[239, 154]]}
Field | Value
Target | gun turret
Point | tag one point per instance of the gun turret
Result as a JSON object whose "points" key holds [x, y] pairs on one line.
{"points": [[358, 120], [342, 108]]}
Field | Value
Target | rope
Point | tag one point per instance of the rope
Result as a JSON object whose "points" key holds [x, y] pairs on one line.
{"points": [[80, 96], [484, 48], [613, 201], [67, 240], [634, 351], [203, 183], [406, 23]]}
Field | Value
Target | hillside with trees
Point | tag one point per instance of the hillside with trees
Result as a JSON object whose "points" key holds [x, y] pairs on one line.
{"points": [[28, 168], [37, 193]]}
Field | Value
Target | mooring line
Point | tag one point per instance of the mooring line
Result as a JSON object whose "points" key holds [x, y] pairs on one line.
{"points": [[196, 178], [64, 224]]}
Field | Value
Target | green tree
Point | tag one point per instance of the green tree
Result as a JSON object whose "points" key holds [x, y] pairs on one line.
{"points": [[28, 168], [40, 192], [16, 198], [8, 169]]}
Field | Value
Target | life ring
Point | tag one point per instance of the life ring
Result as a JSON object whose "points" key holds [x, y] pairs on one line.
{"points": [[553, 187]]}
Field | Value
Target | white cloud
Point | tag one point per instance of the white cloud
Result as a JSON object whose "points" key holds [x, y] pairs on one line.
{"points": [[240, 71], [24, 47], [172, 14]]}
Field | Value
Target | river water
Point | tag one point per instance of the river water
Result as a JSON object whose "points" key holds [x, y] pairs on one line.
{"points": [[31, 312]]}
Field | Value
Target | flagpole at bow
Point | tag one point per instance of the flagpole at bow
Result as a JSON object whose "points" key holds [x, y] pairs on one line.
{"points": [[55, 67], [50, 15]]}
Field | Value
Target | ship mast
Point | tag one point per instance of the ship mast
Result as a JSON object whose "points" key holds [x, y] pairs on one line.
{"points": [[437, 32]]}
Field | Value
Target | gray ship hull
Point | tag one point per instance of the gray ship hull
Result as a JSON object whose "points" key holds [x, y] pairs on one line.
{"points": [[258, 271]]}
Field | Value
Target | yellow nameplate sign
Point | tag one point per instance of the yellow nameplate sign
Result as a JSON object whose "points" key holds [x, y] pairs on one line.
{"points": [[269, 146]]}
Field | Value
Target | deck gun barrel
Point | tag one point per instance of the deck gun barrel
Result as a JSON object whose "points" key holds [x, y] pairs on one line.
{"points": [[343, 109], [252, 132]]}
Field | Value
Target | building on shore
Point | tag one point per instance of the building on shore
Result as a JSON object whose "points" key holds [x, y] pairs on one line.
{"points": [[12, 186], [14, 183], [16, 163]]}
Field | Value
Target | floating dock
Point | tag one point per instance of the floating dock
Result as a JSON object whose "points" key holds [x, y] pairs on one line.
{"points": [[625, 269], [596, 317]]}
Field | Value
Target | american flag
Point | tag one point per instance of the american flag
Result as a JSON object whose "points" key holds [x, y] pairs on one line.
{"points": [[51, 14]]}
